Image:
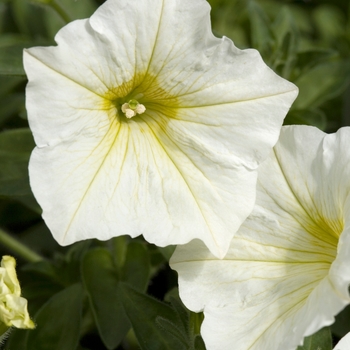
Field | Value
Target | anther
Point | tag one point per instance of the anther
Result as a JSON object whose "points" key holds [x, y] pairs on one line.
{"points": [[132, 108]]}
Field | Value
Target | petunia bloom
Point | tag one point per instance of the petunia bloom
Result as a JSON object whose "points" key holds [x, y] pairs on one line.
{"points": [[145, 123], [13, 308], [287, 271]]}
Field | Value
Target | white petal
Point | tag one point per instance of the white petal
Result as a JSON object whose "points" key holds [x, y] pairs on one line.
{"points": [[174, 172], [286, 274], [344, 343]]}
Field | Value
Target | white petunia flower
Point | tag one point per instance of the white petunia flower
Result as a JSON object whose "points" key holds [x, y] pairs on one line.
{"points": [[13, 308], [145, 123], [287, 271], [344, 343]]}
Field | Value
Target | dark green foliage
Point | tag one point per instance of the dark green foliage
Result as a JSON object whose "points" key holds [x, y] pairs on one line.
{"points": [[322, 340], [58, 321]]}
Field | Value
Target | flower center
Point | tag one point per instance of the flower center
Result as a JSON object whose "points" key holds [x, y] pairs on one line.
{"points": [[133, 107]]}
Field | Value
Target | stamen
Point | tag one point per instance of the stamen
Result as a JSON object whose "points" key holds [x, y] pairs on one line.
{"points": [[132, 108], [129, 113], [140, 109]]}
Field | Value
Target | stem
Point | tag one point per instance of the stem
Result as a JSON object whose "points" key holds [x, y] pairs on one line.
{"points": [[60, 10], [4, 333], [19, 248]]}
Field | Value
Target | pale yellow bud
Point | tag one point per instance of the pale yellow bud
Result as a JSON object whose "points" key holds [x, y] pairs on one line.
{"points": [[13, 308]]}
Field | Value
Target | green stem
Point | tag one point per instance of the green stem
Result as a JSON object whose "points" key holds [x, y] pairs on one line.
{"points": [[60, 10], [4, 333], [18, 248]]}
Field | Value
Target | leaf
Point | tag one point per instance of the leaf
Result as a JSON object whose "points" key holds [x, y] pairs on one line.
{"points": [[17, 339], [331, 79], [286, 36], [101, 282], [314, 117], [283, 25], [11, 52], [261, 34], [11, 60], [58, 321], [15, 148], [39, 238], [308, 59], [341, 326], [137, 266], [329, 20], [44, 268], [321, 340], [11, 105], [183, 314], [199, 343], [17, 141], [77, 9], [143, 312], [28, 18], [167, 251], [187, 322], [8, 83], [171, 330]]}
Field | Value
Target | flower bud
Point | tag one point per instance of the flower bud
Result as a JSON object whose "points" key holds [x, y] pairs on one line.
{"points": [[13, 308]]}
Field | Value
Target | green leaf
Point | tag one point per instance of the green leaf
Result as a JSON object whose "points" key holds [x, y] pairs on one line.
{"points": [[11, 53], [68, 265], [137, 267], [41, 281], [321, 83], [261, 34], [11, 105], [8, 83], [77, 9], [17, 141], [28, 18], [101, 282], [183, 314], [58, 321], [15, 148], [341, 326], [11, 60], [17, 339], [283, 25], [286, 36], [321, 340], [330, 21], [171, 331], [308, 59], [167, 251], [144, 313], [199, 343], [188, 323], [314, 117]]}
